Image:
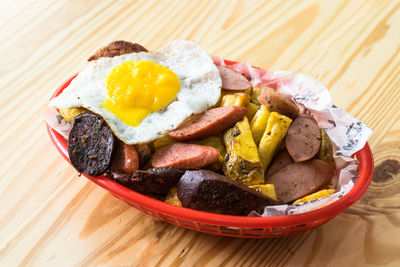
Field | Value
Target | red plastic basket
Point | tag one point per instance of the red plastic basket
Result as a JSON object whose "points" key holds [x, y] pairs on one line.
{"points": [[226, 225]]}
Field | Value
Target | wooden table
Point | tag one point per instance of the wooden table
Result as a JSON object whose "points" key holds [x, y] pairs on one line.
{"points": [[51, 217]]}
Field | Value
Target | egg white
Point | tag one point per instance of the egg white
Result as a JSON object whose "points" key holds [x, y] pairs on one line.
{"points": [[200, 88]]}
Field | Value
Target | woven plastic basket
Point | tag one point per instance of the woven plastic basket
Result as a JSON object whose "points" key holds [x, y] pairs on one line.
{"points": [[226, 225]]}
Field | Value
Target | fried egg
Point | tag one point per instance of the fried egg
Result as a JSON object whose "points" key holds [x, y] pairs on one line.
{"points": [[142, 96]]}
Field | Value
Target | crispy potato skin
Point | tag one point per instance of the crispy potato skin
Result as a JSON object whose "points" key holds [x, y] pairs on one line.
{"points": [[242, 162]]}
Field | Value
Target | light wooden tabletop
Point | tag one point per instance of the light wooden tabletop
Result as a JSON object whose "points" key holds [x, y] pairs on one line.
{"points": [[51, 217]]}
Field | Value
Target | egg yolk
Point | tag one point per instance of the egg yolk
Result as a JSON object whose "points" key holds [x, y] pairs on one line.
{"points": [[137, 88]]}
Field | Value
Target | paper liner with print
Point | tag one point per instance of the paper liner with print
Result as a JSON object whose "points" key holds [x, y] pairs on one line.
{"points": [[347, 134]]}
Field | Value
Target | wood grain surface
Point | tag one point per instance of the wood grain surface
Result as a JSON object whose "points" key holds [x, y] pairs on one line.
{"points": [[51, 217]]}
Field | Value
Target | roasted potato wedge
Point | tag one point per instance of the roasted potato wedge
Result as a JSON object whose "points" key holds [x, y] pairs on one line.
{"points": [[259, 123], [160, 142], [242, 162], [319, 194], [238, 99], [273, 136], [254, 95], [172, 198], [265, 189], [326, 151], [69, 114], [251, 110]]}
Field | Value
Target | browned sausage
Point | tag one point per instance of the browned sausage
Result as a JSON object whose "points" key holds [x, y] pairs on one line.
{"points": [[275, 101], [280, 160], [182, 155], [209, 123], [144, 153], [125, 159], [303, 138], [208, 191], [232, 80], [117, 48], [155, 181], [297, 180]]}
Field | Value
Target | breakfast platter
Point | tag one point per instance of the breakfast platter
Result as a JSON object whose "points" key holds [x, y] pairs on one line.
{"points": [[183, 190]]}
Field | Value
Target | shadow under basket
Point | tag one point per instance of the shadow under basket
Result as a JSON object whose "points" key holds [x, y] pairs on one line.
{"points": [[226, 225]]}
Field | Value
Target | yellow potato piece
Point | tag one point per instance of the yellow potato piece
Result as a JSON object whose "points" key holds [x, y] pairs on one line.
{"points": [[69, 114], [265, 189], [215, 142], [172, 198], [319, 194], [273, 136], [242, 162], [259, 123], [251, 110], [160, 142], [325, 150], [254, 94], [238, 99]]}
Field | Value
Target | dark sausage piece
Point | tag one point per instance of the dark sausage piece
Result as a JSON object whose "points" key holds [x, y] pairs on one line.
{"points": [[280, 160], [125, 159], [155, 181], [303, 138], [208, 191], [144, 152], [232, 80], [297, 180], [209, 123], [182, 155], [90, 144], [275, 101], [117, 48]]}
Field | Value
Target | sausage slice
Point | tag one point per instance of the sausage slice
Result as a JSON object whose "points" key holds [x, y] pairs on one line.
{"points": [[209, 123], [90, 144], [232, 80], [182, 155], [297, 180], [208, 191], [117, 48], [303, 138], [126, 159], [280, 160], [275, 101]]}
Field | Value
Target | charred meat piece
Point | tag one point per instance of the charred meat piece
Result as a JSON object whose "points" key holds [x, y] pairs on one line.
{"points": [[90, 144], [155, 181], [117, 48], [208, 191]]}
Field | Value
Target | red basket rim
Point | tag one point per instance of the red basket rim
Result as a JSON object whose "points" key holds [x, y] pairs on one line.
{"points": [[365, 170]]}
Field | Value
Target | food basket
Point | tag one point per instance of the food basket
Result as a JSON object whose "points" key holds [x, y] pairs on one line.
{"points": [[227, 225]]}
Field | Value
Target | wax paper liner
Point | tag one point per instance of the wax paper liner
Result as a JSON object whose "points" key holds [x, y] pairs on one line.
{"points": [[347, 134]]}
